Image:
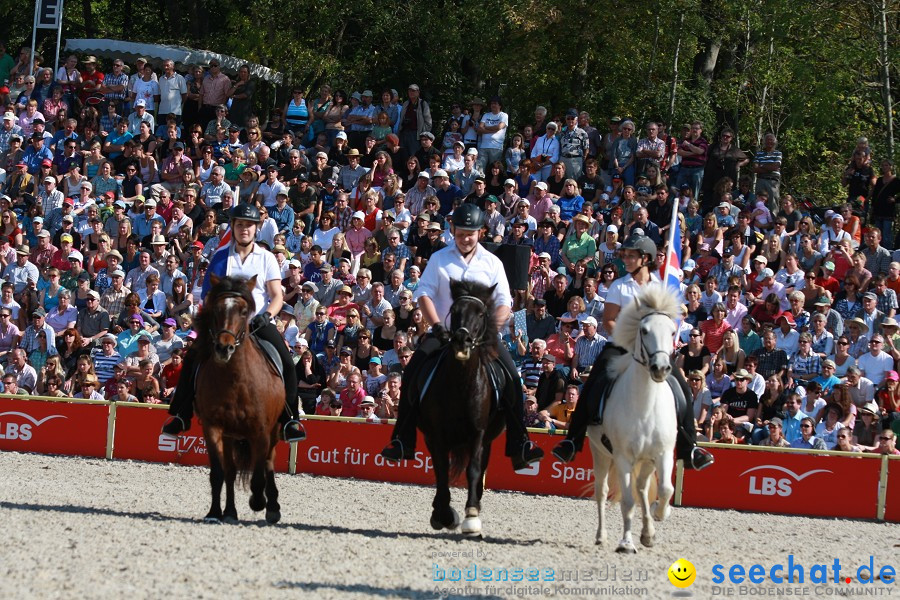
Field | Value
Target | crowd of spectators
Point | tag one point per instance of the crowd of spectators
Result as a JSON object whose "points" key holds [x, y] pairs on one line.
{"points": [[117, 188]]}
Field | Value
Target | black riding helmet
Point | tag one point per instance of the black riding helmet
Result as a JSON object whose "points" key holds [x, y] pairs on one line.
{"points": [[468, 216], [642, 244], [247, 212]]}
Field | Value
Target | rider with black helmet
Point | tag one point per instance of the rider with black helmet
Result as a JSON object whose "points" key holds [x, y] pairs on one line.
{"points": [[464, 259], [243, 258], [639, 256]]}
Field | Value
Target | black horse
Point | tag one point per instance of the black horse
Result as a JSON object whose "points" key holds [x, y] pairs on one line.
{"points": [[458, 415]]}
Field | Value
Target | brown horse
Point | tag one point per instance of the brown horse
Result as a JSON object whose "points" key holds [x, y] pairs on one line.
{"points": [[238, 399]]}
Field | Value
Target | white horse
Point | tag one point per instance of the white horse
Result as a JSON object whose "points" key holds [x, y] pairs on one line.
{"points": [[639, 420]]}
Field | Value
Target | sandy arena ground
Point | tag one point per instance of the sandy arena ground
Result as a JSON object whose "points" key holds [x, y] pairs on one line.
{"points": [[82, 528]]}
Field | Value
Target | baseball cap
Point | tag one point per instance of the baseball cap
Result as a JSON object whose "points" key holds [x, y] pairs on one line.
{"points": [[776, 421], [359, 215], [76, 255], [341, 135], [170, 322], [767, 272], [140, 102], [590, 321]]}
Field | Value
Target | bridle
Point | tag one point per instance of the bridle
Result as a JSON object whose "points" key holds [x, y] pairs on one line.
{"points": [[239, 336], [644, 357], [469, 338]]}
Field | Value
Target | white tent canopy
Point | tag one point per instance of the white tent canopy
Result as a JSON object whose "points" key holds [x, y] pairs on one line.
{"points": [[157, 53]]}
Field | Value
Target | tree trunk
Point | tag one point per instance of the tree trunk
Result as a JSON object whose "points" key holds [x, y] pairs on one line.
{"points": [[173, 7], [88, 17], [885, 58], [705, 62], [675, 74]]}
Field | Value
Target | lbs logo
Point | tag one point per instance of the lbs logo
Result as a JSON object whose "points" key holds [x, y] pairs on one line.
{"points": [[20, 426], [771, 486], [182, 444]]}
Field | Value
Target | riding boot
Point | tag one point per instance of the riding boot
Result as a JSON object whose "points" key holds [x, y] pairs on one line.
{"points": [[292, 431], [182, 405], [686, 447], [403, 438], [591, 401], [518, 447]]}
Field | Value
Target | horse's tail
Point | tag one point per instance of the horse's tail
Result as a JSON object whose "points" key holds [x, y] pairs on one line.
{"points": [[242, 454], [459, 460]]}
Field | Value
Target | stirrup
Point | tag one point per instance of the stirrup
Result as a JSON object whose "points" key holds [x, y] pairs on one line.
{"points": [[529, 454], [298, 437], [565, 451], [170, 422], [701, 458], [396, 451]]}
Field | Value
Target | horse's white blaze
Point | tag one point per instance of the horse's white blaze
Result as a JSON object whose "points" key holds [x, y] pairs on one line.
{"points": [[639, 418]]}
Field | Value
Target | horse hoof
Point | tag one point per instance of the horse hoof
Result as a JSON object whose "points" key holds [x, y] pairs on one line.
{"points": [[229, 520], [437, 523], [471, 527], [660, 515], [273, 516], [212, 520], [626, 548], [600, 541], [257, 503], [647, 541]]}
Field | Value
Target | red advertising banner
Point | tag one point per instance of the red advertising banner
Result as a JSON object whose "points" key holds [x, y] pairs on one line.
{"points": [[137, 437], [794, 483], [892, 505], [546, 477], [53, 427], [352, 450]]}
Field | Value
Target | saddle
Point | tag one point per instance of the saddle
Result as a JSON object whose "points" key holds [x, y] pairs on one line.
{"points": [[422, 379], [271, 355]]}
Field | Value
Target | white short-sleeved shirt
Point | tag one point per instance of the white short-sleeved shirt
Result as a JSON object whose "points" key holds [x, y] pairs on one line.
{"points": [[259, 262], [624, 289], [494, 140], [448, 264], [875, 367]]}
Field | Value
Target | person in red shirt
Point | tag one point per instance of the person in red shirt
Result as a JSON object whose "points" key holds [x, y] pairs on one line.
{"points": [[827, 279], [92, 80], [171, 373], [352, 396]]}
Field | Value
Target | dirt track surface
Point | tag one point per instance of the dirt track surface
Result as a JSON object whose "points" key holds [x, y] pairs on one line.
{"points": [[83, 528]]}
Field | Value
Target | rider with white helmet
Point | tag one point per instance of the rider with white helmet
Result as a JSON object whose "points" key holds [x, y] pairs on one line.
{"points": [[638, 254]]}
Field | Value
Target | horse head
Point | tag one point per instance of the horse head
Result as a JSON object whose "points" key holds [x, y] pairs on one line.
{"points": [[647, 327], [654, 345], [471, 317], [231, 305]]}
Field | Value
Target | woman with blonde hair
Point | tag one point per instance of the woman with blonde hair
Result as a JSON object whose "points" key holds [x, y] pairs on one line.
{"points": [[731, 352], [338, 250]]}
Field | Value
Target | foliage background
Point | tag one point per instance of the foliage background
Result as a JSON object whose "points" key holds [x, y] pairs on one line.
{"points": [[812, 72]]}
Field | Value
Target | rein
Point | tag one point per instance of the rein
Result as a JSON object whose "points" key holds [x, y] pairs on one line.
{"points": [[644, 357], [239, 336]]}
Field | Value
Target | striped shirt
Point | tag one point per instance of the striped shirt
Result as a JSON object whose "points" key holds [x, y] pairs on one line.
{"points": [[104, 366], [769, 158], [586, 350]]}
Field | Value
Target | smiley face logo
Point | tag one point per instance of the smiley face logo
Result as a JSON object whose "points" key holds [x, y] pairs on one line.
{"points": [[682, 573]]}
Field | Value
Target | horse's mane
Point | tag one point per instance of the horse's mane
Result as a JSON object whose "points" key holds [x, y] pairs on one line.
{"points": [[653, 297], [484, 293], [204, 324]]}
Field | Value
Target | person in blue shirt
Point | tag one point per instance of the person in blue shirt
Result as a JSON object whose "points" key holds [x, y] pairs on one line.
{"points": [[281, 213], [36, 154]]}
